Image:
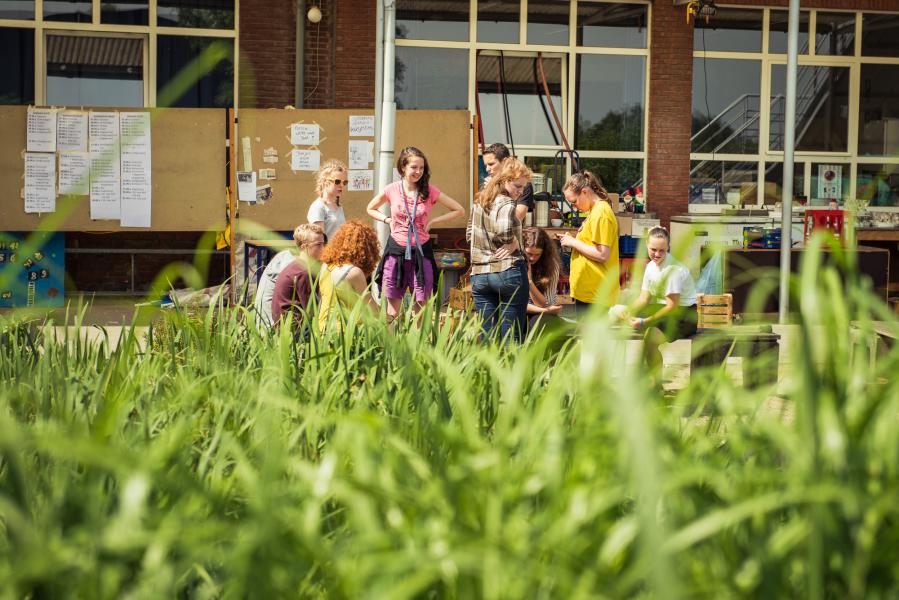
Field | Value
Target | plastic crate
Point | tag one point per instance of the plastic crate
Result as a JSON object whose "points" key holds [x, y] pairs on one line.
{"points": [[831, 220], [627, 245]]}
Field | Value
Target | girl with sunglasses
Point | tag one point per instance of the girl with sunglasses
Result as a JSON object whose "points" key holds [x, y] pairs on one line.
{"points": [[326, 211], [408, 262]]}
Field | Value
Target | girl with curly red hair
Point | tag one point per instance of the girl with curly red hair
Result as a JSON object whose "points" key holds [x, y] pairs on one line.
{"points": [[349, 259]]}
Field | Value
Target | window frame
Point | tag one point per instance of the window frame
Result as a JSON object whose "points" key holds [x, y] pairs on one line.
{"points": [[148, 32], [803, 159], [571, 53]]}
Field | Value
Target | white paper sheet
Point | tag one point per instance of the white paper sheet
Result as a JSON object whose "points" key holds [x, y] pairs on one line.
{"points": [[246, 186], [40, 183], [361, 181], [305, 160], [106, 199], [361, 153], [362, 126], [74, 173], [71, 131], [304, 134], [105, 165], [41, 130], [135, 169]]}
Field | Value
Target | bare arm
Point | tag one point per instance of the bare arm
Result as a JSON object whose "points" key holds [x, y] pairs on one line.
{"points": [[671, 301], [521, 211], [372, 209], [455, 210]]}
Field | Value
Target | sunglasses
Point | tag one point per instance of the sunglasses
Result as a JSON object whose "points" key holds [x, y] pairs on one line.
{"points": [[340, 181]]}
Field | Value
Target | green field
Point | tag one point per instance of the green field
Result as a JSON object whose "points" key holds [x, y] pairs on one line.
{"points": [[210, 462]]}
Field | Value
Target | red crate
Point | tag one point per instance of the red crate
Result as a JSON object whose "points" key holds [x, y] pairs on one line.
{"points": [[831, 220]]}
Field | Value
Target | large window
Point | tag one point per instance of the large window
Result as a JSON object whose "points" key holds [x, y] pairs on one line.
{"points": [[101, 52], [847, 107], [492, 58]]}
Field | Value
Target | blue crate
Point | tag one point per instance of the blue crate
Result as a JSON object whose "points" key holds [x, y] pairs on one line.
{"points": [[627, 244]]}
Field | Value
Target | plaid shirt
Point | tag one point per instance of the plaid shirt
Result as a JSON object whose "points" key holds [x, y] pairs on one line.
{"points": [[487, 231]]}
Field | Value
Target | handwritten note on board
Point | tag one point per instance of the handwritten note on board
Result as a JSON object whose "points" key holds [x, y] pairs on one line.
{"points": [[304, 134], [362, 126]]}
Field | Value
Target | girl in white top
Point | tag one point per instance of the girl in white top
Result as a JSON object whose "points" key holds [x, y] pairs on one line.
{"points": [[326, 211], [666, 308]]}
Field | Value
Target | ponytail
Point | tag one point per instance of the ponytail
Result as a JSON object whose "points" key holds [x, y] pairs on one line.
{"points": [[586, 179]]}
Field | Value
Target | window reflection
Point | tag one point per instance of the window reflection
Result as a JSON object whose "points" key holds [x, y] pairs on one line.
{"points": [[723, 182], [878, 122], [777, 37], [548, 22], [523, 110], [17, 9], [498, 21], [603, 24], [616, 174], [200, 14], [822, 108], [431, 78], [835, 34], [880, 34], [726, 105], [95, 71], [17, 70], [610, 102], [135, 12], [731, 30], [215, 89], [445, 21], [878, 185], [774, 177], [72, 11]]}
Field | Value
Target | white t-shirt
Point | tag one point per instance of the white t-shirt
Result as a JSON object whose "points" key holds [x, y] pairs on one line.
{"points": [[671, 278], [265, 291], [332, 218]]}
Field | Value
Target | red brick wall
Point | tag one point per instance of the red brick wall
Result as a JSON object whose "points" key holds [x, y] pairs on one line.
{"points": [[340, 55], [267, 53], [670, 103]]}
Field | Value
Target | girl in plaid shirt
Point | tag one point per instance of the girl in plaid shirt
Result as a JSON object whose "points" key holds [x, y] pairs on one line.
{"points": [[499, 274]]}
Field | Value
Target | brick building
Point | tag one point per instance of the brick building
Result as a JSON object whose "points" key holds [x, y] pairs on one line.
{"points": [[685, 121]]}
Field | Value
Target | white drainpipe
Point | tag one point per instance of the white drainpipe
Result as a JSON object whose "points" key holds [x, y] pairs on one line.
{"points": [[387, 129]]}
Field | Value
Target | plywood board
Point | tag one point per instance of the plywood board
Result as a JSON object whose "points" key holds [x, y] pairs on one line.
{"points": [[188, 175], [442, 135]]}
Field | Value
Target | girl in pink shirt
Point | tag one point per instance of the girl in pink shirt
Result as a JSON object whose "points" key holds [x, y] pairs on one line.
{"points": [[408, 261]]}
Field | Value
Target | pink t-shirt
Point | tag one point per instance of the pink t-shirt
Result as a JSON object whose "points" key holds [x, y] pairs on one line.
{"points": [[399, 227]]}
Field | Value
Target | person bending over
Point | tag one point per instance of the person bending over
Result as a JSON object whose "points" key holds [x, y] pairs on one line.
{"points": [[294, 286]]}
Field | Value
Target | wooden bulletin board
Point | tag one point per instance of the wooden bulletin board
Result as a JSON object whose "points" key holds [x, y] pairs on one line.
{"points": [[444, 137], [188, 174]]}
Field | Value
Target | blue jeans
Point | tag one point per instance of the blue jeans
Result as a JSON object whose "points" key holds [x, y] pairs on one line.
{"points": [[501, 299]]}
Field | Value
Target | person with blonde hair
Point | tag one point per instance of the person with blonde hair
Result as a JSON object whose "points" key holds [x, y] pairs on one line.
{"points": [[325, 210], [265, 291], [349, 259], [666, 308], [408, 262], [594, 250], [294, 285], [499, 273]]}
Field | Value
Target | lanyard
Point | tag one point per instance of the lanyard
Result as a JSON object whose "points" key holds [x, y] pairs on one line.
{"points": [[412, 232]]}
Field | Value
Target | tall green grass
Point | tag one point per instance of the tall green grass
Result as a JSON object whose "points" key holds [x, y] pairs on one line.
{"points": [[209, 461]]}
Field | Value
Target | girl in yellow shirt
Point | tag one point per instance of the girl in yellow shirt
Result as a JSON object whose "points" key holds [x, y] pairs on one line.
{"points": [[594, 250]]}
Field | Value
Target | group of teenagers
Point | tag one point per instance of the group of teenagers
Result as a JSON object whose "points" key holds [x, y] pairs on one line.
{"points": [[514, 270]]}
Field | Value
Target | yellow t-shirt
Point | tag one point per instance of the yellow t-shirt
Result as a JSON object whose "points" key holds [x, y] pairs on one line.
{"points": [[588, 277], [328, 282]]}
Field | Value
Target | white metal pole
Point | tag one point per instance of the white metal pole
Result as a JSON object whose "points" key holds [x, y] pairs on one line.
{"points": [[387, 131], [786, 219]]}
